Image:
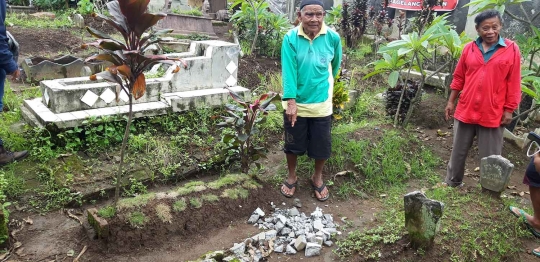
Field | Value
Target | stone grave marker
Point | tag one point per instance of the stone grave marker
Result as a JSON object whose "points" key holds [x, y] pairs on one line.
{"points": [[495, 172], [422, 218]]}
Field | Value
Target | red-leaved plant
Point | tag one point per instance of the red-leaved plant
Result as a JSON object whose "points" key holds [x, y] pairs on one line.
{"points": [[245, 119], [130, 19]]}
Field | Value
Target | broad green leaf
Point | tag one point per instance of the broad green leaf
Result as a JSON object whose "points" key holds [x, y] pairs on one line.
{"points": [[393, 79], [243, 137], [404, 51], [529, 92]]}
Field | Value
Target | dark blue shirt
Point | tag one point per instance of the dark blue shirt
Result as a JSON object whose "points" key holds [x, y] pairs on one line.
{"points": [[6, 58], [489, 53]]}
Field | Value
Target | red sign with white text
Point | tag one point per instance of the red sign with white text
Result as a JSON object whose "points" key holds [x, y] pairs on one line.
{"points": [[416, 5]]}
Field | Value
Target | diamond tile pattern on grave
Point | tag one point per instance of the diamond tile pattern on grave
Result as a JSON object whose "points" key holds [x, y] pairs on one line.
{"points": [[46, 96], [231, 81], [108, 96], [231, 67], [89, 98]]}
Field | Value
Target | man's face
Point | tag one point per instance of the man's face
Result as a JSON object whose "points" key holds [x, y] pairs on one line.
{"points": [[489, 30], [311, 17]]}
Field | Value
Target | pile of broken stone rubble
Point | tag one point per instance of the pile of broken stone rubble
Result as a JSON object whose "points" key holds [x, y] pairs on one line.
{"points": [[288, 232]]}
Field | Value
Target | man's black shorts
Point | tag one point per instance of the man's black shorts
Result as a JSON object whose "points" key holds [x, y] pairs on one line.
{"points": [[311, 134], [532, 177]]}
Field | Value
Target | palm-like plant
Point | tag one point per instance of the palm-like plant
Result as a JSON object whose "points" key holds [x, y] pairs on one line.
{"points": [[130, 19]]}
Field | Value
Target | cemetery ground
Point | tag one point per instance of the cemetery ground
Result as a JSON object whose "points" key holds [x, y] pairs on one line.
{"points": [[182, 199]]}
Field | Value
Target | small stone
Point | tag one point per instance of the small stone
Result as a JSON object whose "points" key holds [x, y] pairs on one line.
{"points": [[278, 249], [292, 234], [285, 231], [328, 243], [259, 212], [297, 203], [300, 243], [330, 225], [253, 219], [330, 230], [229, 259], [300, 232], [328, 218], [270, 234], [312, 250], [317, 213], [320, 234], [269, 220], [293, 212], [238, 249], [310, 237], [258, 256], [259, 237], [317, 224], [290, 251], [283, 204], [282, 218], [260, 221], [279, 226], [319, 240]]}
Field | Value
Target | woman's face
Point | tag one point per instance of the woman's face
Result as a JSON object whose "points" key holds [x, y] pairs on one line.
{"points": [[489, 30]]}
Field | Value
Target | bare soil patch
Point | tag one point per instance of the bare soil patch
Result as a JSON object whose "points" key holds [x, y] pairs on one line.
{"points": [[251, 69], [45, 42]]}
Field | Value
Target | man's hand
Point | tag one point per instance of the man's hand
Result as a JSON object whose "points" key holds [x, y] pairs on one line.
{"points": [[506, 118], [291, 111], [16, 74], [449, 110]]}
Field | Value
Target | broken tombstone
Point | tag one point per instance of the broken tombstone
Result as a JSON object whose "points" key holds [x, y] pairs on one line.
{"points": [[495, 173], [422, 219]]}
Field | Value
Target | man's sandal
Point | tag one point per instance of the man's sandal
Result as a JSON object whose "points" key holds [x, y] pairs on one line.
{"points": [[320, 190], [289, 186]]}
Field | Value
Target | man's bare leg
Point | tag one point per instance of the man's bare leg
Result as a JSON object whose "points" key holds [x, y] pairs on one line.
{"points": [[291, 178], [317, 178]]}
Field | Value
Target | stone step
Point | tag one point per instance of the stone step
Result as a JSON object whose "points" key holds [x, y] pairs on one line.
{"points": [[38, 115]]}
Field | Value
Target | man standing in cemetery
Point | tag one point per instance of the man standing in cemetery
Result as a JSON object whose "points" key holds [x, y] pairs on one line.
{"points": [[7, 66], [488, 79], [311, 57]]}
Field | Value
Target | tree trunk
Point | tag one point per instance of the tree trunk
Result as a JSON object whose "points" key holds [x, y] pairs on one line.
{"points": [[256, 12], [122, 151]]}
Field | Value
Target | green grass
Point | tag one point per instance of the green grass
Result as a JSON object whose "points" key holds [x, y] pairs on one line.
{"points": [[251, 184], [107, 212], [192, 12], [485, 229], [163, 212], [211, 198], [196, 202], [182, 191], [60, 21], [228, 180], [137, 219], [180, 205], [138, 201], [235, 193]]}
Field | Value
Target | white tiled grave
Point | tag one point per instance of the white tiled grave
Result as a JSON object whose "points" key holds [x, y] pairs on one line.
{"points": [[212, 66]]}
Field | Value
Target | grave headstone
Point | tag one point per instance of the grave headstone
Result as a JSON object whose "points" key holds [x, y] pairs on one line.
{"points": [[422, 218], [78, 20], [495, 172]]}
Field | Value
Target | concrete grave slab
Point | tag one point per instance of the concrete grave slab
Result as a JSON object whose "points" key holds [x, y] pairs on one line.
{"points": [[212, 66]]}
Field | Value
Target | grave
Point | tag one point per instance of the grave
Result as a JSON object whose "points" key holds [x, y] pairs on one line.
{"points": [[40, 68], [422, 219], [212, 66], [495, 173]]}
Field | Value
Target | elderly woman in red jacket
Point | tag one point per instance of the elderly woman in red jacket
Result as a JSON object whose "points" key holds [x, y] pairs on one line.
{"points": [[488, 82]]}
